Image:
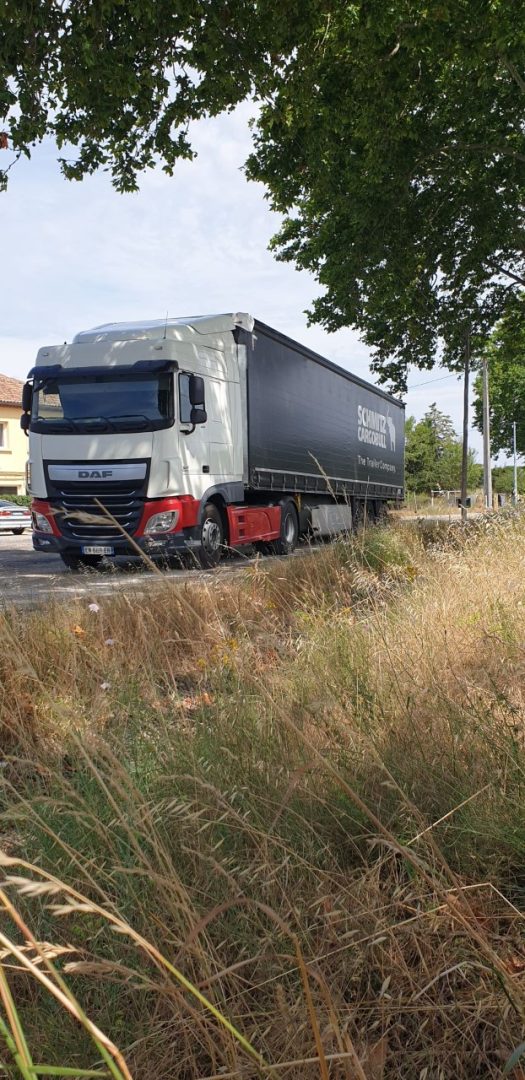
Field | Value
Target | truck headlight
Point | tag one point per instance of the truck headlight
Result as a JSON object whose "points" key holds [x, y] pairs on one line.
{"points": [[40, 523], [163, 522]]}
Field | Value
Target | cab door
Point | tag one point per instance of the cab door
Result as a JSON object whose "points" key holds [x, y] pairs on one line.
{"points": [[194, 444], [219, 428]]}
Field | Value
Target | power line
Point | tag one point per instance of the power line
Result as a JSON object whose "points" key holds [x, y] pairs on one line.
{"points": [[452, 375]]}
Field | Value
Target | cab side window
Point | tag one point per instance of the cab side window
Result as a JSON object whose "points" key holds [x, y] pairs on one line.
{"points": [[184, 398]]}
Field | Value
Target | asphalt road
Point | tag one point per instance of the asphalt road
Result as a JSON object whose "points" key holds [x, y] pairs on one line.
{"points": [[28, 578]]}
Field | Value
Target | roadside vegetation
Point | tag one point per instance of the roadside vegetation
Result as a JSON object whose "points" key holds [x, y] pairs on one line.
{"points": [[433, 456], [19, 500], [272, 824]]}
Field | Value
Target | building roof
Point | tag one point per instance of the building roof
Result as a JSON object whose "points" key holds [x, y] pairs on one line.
{"points": [[10, 391]]}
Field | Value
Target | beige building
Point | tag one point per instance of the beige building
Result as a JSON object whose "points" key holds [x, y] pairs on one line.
{"points": [[13, 442]]}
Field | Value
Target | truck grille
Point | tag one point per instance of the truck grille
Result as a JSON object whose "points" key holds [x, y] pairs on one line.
{"points": [[123, 500], [126, 509]]}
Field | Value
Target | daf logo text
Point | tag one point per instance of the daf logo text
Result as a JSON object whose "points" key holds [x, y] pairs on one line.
{"points": [[95, 474]]}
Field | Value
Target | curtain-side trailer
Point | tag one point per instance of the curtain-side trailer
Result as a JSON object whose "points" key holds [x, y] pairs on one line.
{"points": [[200, 434]]}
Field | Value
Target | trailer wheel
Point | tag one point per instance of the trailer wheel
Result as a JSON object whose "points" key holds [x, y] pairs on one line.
{"points": [[289, 530], [212, 538]]}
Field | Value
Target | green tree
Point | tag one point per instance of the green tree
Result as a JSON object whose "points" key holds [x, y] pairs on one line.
{"points": [[433, 454], [390, 137], [420, 457], [441, 427], [449, 469], [117, 82], [503, 480], [505, 352], [394, 146]]}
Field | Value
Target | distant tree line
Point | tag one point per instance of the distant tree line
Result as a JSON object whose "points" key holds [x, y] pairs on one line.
{"points": [[433, 455]]}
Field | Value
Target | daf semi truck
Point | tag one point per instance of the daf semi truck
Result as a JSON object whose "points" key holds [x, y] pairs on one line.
{"points": [[199, 435]]}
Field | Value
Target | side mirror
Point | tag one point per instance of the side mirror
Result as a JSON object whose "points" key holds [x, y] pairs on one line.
{"points": [[198, 416], [25, 421], [27, 397], [196, 392]]}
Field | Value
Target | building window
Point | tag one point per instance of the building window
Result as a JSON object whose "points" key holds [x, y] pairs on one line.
{"points": [[3, 435]]}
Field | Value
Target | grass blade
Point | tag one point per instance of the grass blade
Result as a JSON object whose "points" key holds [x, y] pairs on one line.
{"points": [[516, 1055], [58, 1070], [24, 1057]]}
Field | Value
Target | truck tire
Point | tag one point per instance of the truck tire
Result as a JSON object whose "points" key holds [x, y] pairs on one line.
{"points": [[289, 530], [81, 562], [212, 538]]}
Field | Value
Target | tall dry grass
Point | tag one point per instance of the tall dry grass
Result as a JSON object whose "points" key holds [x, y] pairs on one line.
{"points": [[273, 826]]}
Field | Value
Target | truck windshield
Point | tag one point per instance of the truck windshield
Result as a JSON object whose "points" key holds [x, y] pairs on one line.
{"points": [[106, 402]]}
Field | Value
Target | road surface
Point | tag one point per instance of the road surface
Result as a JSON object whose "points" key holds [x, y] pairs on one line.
{"points": [[28, 578]]}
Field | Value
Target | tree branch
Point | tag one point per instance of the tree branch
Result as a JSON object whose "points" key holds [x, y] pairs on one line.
{"points": [[507, 273], [489, 149], [513, 72]]}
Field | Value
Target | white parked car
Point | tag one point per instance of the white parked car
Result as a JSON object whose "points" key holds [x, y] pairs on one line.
{"points": [[14, 518]]}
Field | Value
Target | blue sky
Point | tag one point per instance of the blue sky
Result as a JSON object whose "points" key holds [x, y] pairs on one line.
{"points": [[75, 255]]}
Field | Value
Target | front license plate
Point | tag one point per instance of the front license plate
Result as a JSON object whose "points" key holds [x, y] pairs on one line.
{"points": [[97, 549]]}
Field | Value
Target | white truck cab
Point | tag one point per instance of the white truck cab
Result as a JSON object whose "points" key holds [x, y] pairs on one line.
{"points": [[144, 418]]}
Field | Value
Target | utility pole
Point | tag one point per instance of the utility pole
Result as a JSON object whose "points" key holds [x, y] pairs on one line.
{"points": [[487, 464], [464, 461], [515, 485]]}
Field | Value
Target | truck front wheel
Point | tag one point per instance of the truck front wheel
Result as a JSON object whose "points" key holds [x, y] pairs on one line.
{"points": [[212, 537], [289, 530]]}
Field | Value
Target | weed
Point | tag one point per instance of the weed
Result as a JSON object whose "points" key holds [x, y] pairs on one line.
{"points": [[275, 827]]}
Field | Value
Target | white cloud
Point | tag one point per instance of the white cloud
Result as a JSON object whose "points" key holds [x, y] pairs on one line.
{"points": [[76, 255]]}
